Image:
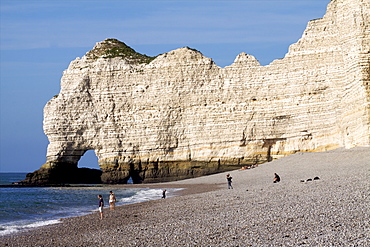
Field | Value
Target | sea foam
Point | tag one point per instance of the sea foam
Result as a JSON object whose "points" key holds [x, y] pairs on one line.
{"points": [[9, 229]]}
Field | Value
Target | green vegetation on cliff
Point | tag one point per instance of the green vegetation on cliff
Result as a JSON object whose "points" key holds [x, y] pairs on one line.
{"points": [[111, 48]]}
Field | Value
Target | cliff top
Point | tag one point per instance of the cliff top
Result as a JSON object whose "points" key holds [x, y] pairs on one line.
{"points": [[111, 48]]}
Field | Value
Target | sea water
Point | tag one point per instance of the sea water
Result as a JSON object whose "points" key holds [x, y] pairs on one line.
{"points": [[22, 208]]}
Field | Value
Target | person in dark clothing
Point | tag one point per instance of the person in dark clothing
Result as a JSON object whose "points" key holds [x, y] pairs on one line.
{"points": [[101, 205], [229, 181], [276, 178], [164, 194]]}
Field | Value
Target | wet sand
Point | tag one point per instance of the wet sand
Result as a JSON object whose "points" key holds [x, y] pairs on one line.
{"points": [[330, 211]]}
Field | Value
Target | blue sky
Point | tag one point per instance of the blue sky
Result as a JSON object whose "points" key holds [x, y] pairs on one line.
{"points": [[39, 38]]}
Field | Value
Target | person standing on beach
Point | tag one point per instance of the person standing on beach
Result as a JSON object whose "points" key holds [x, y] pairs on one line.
{"points": [[101, 205], [112, 200], [229, 181], [164, 194]]}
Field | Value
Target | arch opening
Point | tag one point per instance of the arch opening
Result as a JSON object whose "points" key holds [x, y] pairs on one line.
{"points": [[89, 171], [89, 160], [130, 180]]}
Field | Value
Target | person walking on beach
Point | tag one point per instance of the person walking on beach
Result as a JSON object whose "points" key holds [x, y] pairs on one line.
{"points": [[229, 178], [112, 200], [101, 205], [276, 178], [164, 194]]}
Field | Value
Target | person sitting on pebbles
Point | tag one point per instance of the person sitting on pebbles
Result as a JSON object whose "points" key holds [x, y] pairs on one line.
{"points": [[276, 178]]}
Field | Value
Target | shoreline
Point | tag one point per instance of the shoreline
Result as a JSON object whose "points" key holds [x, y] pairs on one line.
{"points": [[28, 224], [256, 212], [67, 222]]}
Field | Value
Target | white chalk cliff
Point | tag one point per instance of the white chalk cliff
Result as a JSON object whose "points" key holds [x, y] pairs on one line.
{"points": [[180, 115]]}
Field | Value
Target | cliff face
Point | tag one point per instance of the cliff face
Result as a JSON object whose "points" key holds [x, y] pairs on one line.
{"points": [[180, 115]]}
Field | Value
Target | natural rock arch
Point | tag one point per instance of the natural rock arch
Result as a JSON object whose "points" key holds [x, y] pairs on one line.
{"points": [[179, 115]]}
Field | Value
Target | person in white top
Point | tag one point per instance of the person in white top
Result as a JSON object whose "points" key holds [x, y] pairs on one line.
{"points": [[112, 200]]}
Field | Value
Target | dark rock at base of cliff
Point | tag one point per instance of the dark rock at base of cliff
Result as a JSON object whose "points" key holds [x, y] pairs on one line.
{"points": [[118, 171], [61, 173]]}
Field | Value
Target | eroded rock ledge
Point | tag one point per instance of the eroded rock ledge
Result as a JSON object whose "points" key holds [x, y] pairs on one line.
{"points": [[180, 115]]}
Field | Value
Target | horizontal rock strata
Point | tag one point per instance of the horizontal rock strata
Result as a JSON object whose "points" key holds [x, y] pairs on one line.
{"points": [[180, 115]]}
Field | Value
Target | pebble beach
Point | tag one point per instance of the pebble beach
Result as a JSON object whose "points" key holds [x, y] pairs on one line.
{"points": [[321, 200]]}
